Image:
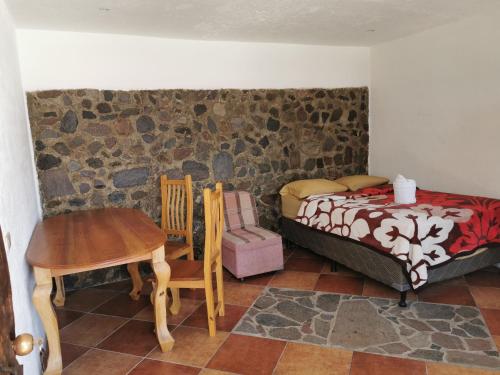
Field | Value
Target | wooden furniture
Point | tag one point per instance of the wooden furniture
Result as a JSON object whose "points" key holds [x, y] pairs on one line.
{"points": [[89, 240], [177, 216], [176, 221], [198, 273]]}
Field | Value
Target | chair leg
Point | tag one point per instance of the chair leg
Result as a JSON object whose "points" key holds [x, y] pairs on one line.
{"points": [[209, 296], [133, 270], [175, 307], [60, 296], [220, 289], [190, 255]]}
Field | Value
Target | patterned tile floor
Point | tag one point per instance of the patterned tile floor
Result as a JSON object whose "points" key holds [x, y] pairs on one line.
{"points": [[104, 332]]}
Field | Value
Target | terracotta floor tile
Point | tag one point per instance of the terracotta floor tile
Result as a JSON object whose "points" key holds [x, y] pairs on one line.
{"points": [[294, 280], [135, 337], [484, 278], [123, 305], [449, 292], [497, 342], [193, 347], [71, 352], [247, 355], [87, 299], [373, 288], [224, 323], [209, 371], [262, 279], [102, 362], [486, 297], [90, 329], [306, 254], [124, 286], [311, 359], [287, 252], [340, 284], [65, 317], [198, 294], [241, 294], [304, 265], [492, 318], [373, 364], [341, 270], [446, 369], [150, 367], [188, 306]]}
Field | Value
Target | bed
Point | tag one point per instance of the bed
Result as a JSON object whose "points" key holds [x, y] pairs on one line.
{"points": [[464, 233]]}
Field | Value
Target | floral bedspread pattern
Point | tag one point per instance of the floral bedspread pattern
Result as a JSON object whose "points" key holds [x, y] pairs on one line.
{"points": [[430, 232]]}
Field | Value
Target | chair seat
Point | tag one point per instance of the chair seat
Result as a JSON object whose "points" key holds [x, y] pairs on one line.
{"points": [[174, 250], [186, 270], [249, 237]]}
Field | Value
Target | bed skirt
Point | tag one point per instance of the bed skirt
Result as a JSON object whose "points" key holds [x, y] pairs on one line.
{"points": [[376, 265]]}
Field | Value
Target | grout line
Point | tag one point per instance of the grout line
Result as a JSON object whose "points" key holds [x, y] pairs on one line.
{"points": [[133, 367], [101, 304], [112, 332], [216, 351], [70, 323], [281, 356], [81, 355]]}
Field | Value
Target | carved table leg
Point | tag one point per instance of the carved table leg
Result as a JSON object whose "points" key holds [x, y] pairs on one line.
{"points": [[162, 273], [60, 296], [133, 270], [41, 300]]}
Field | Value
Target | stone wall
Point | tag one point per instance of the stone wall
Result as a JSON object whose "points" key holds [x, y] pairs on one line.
{"points": [[108, 148]]}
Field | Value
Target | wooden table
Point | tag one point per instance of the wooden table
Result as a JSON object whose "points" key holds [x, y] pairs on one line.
{"points": [[90, 240]]}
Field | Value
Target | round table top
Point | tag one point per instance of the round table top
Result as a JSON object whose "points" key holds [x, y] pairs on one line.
{"points": [[93, 238]]}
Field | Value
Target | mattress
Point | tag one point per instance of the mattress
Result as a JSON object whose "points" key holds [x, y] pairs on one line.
{"points": [[290, 206]]}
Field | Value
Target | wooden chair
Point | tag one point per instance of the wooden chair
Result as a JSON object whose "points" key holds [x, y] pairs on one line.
{"points": [[197, 273], [176, 220], [177, 216]]}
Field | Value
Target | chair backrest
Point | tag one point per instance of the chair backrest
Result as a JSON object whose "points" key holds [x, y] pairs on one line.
{"points": [[214, 224], [177, 207], [239, 210]]}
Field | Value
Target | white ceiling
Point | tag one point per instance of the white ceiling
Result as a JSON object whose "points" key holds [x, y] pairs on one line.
{"points": [[330, 22]]}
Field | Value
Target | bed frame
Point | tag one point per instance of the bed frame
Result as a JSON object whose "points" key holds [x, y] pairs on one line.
{"points": [[376, 265]]}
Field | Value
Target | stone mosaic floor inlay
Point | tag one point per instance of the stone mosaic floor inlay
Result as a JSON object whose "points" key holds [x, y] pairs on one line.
{"points": [[436, 332]]}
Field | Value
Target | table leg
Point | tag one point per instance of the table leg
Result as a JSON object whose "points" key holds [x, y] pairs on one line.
{"points": [[60, 296], [41, 300], [162, 273], [133, 270]]}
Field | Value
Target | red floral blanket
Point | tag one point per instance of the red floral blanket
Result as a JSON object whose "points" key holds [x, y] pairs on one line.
{"points": [[430, 232]]}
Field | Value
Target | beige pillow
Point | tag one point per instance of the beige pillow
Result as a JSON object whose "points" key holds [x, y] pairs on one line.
{"points": [[290, 206], [361, 181], [304, 188]]}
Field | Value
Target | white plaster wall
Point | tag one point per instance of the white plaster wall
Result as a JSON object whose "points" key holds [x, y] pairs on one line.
{"points": [[435, 107], [19, 205], [59, 60]]}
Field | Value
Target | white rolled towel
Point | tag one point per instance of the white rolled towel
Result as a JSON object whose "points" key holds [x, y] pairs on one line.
{"points": [[404, 190]]}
